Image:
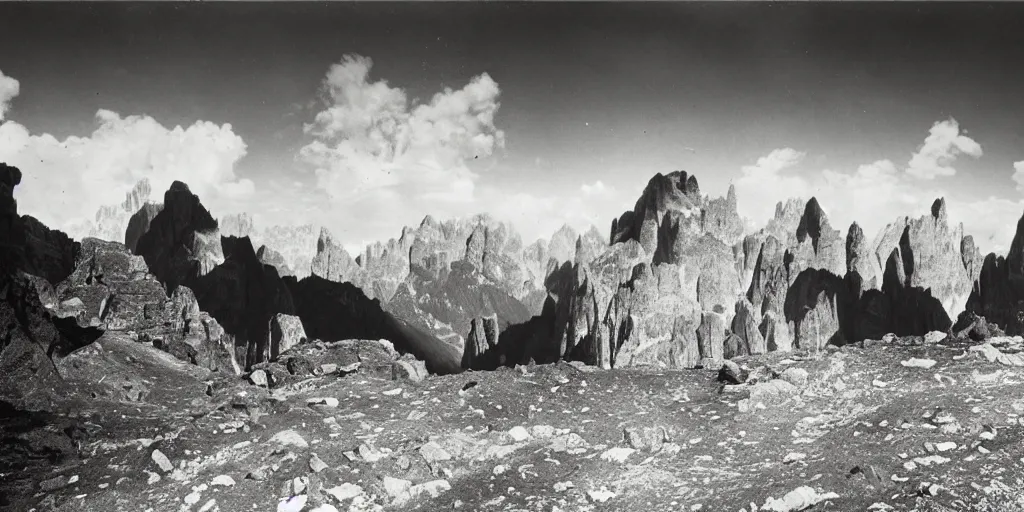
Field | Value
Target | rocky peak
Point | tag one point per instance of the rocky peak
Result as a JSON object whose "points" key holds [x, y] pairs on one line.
{"points": [[939, 210], [238, 224], [812, 223], [27, 244], [182, 241], [268, 256]]}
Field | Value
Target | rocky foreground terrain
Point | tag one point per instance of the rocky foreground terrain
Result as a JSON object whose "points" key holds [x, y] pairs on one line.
{"points": [[679, 364], [929, 423]]}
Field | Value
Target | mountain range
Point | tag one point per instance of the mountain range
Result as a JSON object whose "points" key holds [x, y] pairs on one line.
{"points": [[677, 283]]}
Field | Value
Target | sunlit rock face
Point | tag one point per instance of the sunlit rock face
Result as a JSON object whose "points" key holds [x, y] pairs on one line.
{"points": [[111, 221], [651, 298], [935, 256]]}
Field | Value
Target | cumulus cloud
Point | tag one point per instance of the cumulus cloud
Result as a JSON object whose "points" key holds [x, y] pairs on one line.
{"points": [[370, 139], [945, 142], [388, 159], [9, 89], [762, 184], [598, 188], [66, 181], [1018, 175]]}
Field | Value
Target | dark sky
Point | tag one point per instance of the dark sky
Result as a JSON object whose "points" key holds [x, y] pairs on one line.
{"points": [[589, 91]]}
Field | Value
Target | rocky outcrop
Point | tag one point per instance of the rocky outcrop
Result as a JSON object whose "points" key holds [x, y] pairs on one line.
{"points": [[374, 358], [817, 308], [286, 331], [138, 224], [676, 191], [481, 350], [332, 262], [111, 221], [112, 290], [268, 256], [183, 247], [933, 256], [237, 225], [440, 306], [339, 311], [746, 325], [32, 341], [25, 243], [998, 294], [860, 264], [182, 242], [244, 295]]}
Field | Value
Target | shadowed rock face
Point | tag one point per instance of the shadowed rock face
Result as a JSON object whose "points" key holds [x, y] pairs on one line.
{"points": [[244, 295], [138, 224], [998, 294], [818, 305], [481, 350], [182, 242], [333, 311], [27, 244], [268, 256], [31, 342]]}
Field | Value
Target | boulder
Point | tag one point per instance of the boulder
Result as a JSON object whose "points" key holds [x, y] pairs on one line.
{"points": [[286, 331]]}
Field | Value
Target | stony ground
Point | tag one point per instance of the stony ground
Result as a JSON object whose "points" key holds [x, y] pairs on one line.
{"points": [[887, 426]]}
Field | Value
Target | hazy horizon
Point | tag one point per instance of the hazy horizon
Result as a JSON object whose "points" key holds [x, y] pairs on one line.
{"points": [[364, 118]]}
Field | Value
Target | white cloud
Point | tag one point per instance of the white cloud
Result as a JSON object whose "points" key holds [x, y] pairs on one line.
{"points": [[369, 139], [763, 184], [1018, 175], [384, 161], [878, 193], [66, 181], [598, 188], [9, 89], [944, 143]]}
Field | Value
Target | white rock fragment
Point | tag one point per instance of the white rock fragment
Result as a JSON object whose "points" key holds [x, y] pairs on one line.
{"points": [[326, 507], [433, 452], [930, 460], [316, 464], [153, 477], [162, 461], [192, 498], [289, 438], [563, 486], [393, 392], [223, 481], [946, 446], [617, 454], [293, 504], [345, 491], [396, 487], [327, 401], [800, 498], [601, 495], [518, 434], [914, 362], [792, 457]]}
